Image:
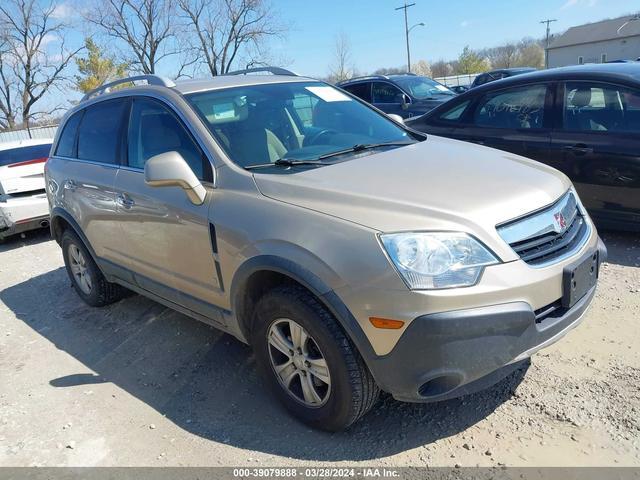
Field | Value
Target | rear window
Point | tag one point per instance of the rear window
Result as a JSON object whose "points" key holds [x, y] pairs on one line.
{"points": [[99, 132], [67, 140], [24, 154]]}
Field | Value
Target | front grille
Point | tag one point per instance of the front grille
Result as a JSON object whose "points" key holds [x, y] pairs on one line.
{"points": [[549, 234]]}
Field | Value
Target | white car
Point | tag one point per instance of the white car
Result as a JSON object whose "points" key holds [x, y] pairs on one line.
{"points": [[23, 200]]}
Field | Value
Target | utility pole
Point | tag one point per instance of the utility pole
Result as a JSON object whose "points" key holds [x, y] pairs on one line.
{"points": [[406, 31], [546, 49]]}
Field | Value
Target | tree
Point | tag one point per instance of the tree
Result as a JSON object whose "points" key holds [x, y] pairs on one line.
{"points": [[229, 29], [441, 68], [144, 29], [8, 86], [421, 68], [504, 56], [29, 67], [471, 62], [342, 67], [531, 53], [96, 69]]}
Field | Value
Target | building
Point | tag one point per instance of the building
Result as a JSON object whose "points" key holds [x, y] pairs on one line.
{"points": [[599, 42]]}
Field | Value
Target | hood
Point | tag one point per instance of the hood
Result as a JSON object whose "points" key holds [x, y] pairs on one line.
{"points": [[437, 184]]}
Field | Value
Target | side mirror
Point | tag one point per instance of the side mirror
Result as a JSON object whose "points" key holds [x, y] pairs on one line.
{"points": [[169, 169], [405, 101], [396, 118]]}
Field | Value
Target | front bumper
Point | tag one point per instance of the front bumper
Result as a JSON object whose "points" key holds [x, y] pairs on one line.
{"points": [[446, 355]]}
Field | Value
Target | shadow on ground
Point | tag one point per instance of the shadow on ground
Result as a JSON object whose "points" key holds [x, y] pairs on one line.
{"points": [[20, 240], [206, 382], [623, 247]]}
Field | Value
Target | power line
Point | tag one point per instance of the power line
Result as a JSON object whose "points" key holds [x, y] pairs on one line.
{"points": [[546, 49]]}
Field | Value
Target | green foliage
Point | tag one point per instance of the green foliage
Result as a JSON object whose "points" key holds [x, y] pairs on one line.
{"points": [[96, 69], [470, 61]]}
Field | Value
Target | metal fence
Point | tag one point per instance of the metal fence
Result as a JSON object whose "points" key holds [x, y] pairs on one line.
{"points": [[26, 134], [455, 80]]}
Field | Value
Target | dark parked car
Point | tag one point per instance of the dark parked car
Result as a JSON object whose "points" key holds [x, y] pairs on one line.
{"points": [[494, 75], [582, 120], [406, 95]]}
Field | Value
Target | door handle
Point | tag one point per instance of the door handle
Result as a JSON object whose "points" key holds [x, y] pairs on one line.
{"points": [[124, 201], [69, 185], [479, 141], [578, 149]]}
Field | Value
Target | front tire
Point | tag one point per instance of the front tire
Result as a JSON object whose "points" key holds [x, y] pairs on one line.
{"points": [[309, 362], [86, 278]]}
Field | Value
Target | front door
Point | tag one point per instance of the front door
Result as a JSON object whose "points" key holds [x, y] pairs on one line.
{"points": [[598, 142], [169, 244], [388, 98]]}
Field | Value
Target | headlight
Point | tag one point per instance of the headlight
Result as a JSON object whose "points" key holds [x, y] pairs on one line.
{"points": [[433, 260]]}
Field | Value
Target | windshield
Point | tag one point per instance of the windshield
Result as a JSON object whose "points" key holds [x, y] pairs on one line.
{"points": [[305, 121], [423, 87]]}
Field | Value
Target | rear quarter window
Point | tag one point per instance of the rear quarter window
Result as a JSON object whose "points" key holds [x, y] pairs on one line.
{"points": [[67, 141]]}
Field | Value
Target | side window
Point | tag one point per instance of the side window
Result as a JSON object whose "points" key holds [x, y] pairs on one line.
{"points": [[99, 132], [454, 113], [360, 90], [601, 107], [154, 129], [67, 141], [520, 107], [386, 93]]}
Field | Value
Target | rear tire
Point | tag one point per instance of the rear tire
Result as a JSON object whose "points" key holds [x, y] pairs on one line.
{"points": [[324, 361], [86, 278]]}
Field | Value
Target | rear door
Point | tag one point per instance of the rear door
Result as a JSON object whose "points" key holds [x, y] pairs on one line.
{"points": [[169, 247], [361, 90], [598, 142], [90, 150], [515, 119]]}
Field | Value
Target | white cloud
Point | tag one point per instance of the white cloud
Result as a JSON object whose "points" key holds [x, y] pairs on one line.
{"points": [[465, 23], [62, 11]]}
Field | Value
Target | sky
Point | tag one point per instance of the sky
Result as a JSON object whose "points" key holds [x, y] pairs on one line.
{"points": [[376, 30]]}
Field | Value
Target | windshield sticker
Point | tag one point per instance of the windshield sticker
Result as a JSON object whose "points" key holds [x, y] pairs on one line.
{"points": [[442, 88], [329, 94]]}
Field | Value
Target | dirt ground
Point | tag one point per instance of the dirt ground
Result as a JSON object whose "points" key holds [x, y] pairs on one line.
{"points": [[136, 384]]}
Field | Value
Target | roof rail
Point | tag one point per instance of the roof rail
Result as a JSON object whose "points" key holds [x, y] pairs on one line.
{"points": [[365, 77], [273, 70], [150, 79]]}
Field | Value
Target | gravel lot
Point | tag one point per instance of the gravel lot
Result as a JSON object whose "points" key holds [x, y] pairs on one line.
{"points": [[138, 384]]}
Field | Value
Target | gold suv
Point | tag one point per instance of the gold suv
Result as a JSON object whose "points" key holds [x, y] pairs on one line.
{"points": [[353, 253]]}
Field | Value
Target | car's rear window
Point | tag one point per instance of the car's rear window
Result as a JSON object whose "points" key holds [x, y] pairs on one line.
{"points": [[24, 154]]}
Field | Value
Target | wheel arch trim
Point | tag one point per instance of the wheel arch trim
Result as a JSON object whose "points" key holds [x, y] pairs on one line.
{"points": [[309, 280]]}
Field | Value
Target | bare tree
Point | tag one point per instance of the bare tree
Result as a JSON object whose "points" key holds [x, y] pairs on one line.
{"points": [[8, 85], [504, 56], [441, 68], [145, 29], [342, 67], [30, 30], [230, 31]]}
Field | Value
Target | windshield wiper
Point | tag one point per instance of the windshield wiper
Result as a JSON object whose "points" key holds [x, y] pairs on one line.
{"points": [[284, 162], [359, 147]]}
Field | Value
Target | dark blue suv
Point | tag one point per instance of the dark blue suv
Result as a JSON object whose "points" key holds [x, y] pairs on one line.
{"points": [[407, 95]]}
